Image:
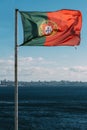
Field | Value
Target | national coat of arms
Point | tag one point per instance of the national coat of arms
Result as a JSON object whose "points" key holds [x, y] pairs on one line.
{"points": [[48, 28]]}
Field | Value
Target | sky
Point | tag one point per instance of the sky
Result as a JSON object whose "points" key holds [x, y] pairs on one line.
{"points": [[41, 63]]}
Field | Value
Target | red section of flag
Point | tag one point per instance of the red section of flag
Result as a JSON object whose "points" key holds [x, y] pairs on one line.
{"points": [[66, 25]]}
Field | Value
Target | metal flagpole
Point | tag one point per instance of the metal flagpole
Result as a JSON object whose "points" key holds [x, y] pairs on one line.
{"points": [[16, 72]]}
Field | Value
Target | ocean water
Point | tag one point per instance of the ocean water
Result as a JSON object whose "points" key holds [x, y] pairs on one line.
{"points": [[45, 108]]}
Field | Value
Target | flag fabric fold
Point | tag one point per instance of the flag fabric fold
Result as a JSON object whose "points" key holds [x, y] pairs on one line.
{"points": [[59, 28]]}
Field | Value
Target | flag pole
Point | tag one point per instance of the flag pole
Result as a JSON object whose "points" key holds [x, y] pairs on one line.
{"points": [[16, 71]]}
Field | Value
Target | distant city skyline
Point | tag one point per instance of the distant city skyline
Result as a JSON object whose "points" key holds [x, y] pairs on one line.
{"points": [[41, 63], [62, 83]]}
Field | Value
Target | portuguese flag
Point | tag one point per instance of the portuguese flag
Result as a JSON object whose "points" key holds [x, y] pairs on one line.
{"points": [[59, 28]]}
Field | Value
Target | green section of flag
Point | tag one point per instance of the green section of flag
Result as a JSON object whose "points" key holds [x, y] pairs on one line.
{"points": [[31, 23]]}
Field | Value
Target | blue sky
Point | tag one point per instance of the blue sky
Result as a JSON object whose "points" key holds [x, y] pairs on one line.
{"points": [[41, 63]]}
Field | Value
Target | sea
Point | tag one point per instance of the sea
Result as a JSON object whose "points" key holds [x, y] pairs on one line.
{"points": [[45, 108]]}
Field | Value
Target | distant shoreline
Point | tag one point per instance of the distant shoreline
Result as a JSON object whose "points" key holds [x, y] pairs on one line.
{"points": [[44, 84]]}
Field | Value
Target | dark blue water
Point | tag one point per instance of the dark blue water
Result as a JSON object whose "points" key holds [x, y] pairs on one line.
{"points": [[45, 108]]}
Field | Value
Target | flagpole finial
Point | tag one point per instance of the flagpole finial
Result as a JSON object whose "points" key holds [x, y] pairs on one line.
{"points": [[16, 9]]}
